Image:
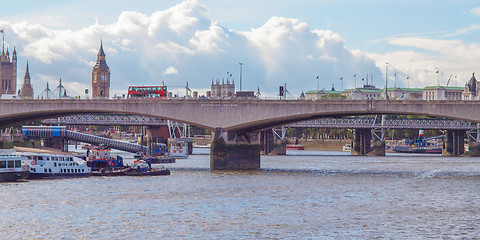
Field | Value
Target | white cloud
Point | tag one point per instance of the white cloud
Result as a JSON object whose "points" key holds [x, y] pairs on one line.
{"points": [[475, 11], [451, 57], [170, 71], [141, 47]]}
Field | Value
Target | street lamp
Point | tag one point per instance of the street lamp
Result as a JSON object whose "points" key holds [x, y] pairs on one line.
{"points": [[318, 83], [438, 77], [241, 64], [386, 80]]}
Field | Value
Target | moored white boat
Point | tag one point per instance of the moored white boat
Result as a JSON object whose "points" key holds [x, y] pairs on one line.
{"points": [[43, 165], [347, 147], [13, 168], [179, 149]]}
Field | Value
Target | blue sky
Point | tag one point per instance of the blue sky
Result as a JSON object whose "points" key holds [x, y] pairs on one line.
{"points": [[279, 42]]}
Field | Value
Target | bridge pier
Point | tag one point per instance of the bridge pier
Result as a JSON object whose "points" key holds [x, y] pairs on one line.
{"points": [[235, 151], [362, 143], [56, 142], [157, 133], [270, 145], [454, 144]]}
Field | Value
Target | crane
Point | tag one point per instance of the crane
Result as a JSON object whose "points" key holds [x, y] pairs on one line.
{"points": [[449, 79]]}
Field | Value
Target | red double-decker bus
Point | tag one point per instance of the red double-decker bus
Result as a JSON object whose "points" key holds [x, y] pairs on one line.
{"points": [[147, 92]]}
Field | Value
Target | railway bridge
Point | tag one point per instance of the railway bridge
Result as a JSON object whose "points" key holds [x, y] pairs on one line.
{"points": [[237, 123]]}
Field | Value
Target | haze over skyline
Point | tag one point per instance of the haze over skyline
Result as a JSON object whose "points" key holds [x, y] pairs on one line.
{"points": [[279, 42]]}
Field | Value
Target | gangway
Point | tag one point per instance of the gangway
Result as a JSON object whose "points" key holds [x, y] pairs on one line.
{"points": [[62, 132]]}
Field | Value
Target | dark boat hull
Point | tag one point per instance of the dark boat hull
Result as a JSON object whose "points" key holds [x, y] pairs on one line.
{"points": [[13, 176], [57, 175], [153, 172], [156, 160]]}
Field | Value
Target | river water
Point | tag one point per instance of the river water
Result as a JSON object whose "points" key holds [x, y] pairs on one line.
{"points": [[304, 195]]}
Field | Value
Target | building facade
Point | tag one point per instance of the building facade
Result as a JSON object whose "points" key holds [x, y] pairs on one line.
{"points": [[320, 94], [101, 76], [223, 90], [442, 93], [403, 93], [27, 90], [8, 71], [472, 89]]}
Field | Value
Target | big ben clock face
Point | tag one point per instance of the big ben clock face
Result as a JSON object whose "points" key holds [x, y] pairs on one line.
{"points": [[95, 78]]}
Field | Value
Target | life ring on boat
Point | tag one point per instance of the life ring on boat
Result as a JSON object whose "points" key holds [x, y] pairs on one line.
{"points": [[33, 163]]}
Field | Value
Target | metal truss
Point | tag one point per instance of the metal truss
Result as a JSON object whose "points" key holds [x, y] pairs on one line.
{"points": [[110, 119], [440, 124], [351, 122]]}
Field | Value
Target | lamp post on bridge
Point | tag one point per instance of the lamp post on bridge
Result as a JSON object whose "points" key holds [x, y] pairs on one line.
{"points": [[386, 80], [241, 64]]}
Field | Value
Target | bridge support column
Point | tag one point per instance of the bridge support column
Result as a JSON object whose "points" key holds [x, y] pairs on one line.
{"points": [[362, 143], [57, 143], [454, 144], [270, 145], [157, 133], [235, 151], [473, 149]]}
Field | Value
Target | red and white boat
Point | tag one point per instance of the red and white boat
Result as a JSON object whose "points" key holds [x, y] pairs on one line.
{"points": [[295, 147]]}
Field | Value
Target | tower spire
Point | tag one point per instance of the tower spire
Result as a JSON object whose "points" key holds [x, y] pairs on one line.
{"points": [[27, 74], [101, 52], [3, 41]]}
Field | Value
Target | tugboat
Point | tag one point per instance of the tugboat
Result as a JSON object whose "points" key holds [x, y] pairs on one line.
{"points": [[143, 168], [159, 155], [138, 168], [100, 159], [13, 168]]}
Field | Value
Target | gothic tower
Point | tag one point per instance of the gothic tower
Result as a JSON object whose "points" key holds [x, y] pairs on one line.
{"points": [[100, 76], [8, 70], [27, 89]]}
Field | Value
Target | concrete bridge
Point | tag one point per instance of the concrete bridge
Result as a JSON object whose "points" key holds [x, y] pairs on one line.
{"points": [[236, 122], [231, 115]]}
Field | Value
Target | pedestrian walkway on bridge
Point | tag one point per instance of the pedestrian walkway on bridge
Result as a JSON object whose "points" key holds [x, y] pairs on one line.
{"points": [[62, 132]]}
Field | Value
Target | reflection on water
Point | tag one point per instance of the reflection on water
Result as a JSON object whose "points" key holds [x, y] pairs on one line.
{"points": [[305, 195]]}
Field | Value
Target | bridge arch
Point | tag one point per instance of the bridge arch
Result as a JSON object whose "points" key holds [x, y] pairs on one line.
{"points": [[234, 115]]}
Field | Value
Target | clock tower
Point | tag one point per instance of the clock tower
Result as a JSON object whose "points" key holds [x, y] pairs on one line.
{"points": [[101, 76]]}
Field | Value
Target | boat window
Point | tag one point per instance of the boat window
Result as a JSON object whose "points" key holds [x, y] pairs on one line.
{"points": [[49, 170], [45, 170], [3, 164], [33, 169], [30, 157], [83, 170], [18, 163], [54, 164], [10, 164]]}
